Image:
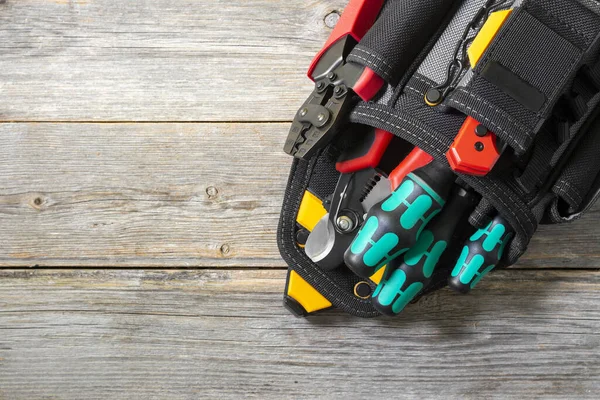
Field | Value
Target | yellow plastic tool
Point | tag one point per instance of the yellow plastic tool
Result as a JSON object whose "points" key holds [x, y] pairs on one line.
{"points": [[305, 295], [311, 211], [301, 298], [377, 276], [486, 35]]}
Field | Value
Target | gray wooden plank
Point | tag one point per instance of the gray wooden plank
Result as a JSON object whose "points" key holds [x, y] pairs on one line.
{"points": [[172, 195], [141, 194], [164, 60], [224, 334]]}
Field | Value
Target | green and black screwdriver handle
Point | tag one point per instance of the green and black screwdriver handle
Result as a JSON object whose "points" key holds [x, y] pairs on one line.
{"points": [[410, 231]]}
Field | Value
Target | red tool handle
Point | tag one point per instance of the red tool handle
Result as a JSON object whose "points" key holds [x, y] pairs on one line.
{"points": [[474, 151], [368, 154], [415, 160], [358, 17]]}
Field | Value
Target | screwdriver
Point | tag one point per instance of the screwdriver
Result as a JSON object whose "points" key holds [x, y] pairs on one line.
{"points": [[407, 275], [393, 225], [481, 254]]}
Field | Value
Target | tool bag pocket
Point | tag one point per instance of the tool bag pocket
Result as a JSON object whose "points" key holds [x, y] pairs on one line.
{"points": [[578, 185], [309, 288], [507, 90]]}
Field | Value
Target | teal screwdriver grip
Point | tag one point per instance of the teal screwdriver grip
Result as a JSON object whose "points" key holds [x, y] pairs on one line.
{"points": [[480, 255], [406, 276], [393, 226]]}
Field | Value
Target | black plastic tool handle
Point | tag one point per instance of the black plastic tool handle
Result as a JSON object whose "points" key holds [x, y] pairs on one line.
{"points": [[393, 226], [480, 255], [407, 275]]}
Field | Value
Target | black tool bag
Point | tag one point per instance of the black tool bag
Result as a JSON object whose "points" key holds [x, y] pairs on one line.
{"points": [[536, 86]]}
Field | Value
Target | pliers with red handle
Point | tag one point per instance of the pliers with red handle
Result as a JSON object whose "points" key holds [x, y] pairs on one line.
{"points": [[322, 114]]}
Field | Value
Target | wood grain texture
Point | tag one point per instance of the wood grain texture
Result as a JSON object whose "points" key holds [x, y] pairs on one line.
{"points": [[224, 334], [141, 194], [164, 60], [171, 195]]}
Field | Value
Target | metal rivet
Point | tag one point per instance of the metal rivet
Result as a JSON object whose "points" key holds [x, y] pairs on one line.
{"points": [[433, 97], [302, 236], [337, 89], [321, 117], [344, 223], [479, 146], [331, 75], [362, 290], [481, 131], [303, 112]]}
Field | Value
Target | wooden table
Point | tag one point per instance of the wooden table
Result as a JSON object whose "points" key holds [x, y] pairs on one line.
{"points": [[140, 187]]}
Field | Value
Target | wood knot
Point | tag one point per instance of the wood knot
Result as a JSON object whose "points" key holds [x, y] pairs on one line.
{"points": [[332, 19], [224, 249], [212, 192], [37, 202]]}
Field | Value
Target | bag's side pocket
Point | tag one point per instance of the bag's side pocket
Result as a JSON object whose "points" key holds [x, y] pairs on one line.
{"points": [[578, 186]]}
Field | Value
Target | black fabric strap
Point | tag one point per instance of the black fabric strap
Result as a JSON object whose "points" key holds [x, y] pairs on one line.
{"points": [[578, 177], [516, 106], [482, 215], [539, 167], [399, 35]]}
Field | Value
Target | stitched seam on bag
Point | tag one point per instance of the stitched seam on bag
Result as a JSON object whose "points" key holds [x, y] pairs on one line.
{"points": [[402, 128], [569, 197], [414, 90], [378, 58], [501, 130], [384, 72], [493, 107], [421, 79], [478, 213], [370, 108], [518, 220], [574, 191], [568, 71]]}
